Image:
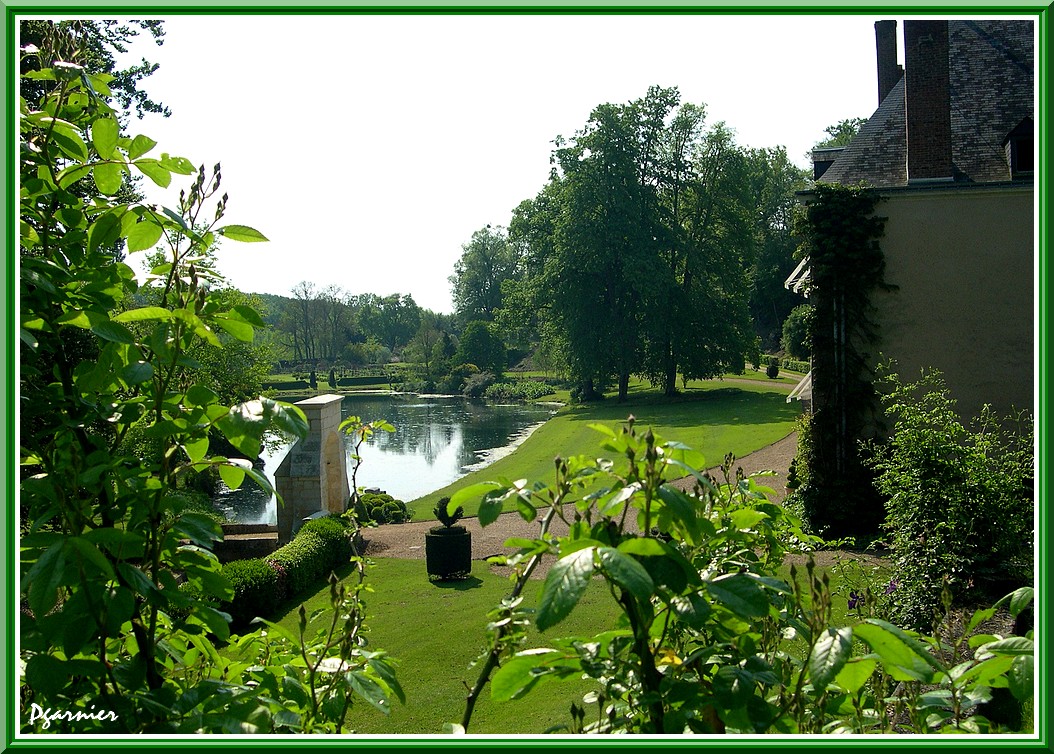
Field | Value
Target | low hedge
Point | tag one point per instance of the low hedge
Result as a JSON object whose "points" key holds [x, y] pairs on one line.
{"points": [[286, 385], [260, 584], [255, 589], [320, 545], [377, 379], [796, 366]]}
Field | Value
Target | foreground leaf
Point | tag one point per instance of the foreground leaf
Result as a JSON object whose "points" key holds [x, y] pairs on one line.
{"points": [[564, 586]]}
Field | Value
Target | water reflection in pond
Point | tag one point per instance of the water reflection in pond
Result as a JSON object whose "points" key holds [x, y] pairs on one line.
{"points": [[437, 440]]}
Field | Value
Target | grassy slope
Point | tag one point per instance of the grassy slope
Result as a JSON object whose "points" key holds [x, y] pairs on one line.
{"points": [[714, 418], [436, 630]]}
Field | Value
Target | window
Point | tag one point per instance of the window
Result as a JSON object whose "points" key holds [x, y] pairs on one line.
{"points": [[1020, 152]]}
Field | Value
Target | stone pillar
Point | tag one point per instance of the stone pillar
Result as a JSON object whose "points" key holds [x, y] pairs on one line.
{"points": [[313, 477]]}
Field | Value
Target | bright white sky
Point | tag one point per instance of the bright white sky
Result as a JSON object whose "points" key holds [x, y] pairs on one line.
{"points": [[369, 148]]}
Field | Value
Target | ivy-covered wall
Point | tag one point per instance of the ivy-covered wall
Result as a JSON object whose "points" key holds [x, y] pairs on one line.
{"points": [[840, 235]]}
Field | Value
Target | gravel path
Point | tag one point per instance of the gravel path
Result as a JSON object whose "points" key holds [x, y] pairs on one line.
{"points": [[407, 540]]}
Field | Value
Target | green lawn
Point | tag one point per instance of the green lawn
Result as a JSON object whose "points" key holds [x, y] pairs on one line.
{"points": [[714, 418], [435, 631]]}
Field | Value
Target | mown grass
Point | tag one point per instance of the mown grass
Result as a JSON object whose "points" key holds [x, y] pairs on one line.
{"points": [[714, 418], [435, 631]]}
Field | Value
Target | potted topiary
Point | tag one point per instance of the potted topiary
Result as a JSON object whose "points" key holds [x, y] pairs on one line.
{"points": [[448, 548]]}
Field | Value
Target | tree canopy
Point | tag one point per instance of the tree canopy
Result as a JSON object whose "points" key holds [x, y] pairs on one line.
{"points": [[486, 262], [635, 255]]}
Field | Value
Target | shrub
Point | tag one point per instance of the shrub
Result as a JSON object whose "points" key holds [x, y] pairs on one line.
{"points": [[959, 507], [453, 382], [795, 366], [520, 390], [319, 546], [796, 340], [772, 371], [255, 589], [380, 508], [477, 384]]}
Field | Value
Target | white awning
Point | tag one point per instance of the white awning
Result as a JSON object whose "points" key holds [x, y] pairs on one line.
{"points": [[799, 277], [803, 390]]}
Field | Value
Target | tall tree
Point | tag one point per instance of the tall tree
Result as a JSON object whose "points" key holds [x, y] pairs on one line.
{"points": [[773, 181], [598, 280], [482, 345], [303, 323], [426, 344], [700, 278], [635, 253], [392, 320], [487, 261], [841, 133], [93, 45]]}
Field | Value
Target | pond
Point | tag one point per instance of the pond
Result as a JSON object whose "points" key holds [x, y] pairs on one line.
{"points": [[437, 440]]}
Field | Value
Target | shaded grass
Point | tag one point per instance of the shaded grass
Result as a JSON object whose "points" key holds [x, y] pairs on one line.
{"points": [[712, 418], [434, 631]]}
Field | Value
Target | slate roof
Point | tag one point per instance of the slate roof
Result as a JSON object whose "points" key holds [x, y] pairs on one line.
{"points": [[991, 78]]}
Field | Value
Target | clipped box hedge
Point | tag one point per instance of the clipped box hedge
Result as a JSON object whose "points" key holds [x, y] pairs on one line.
{"points": [[320, 546], [287, 385], [376, 379], [255, 588]]}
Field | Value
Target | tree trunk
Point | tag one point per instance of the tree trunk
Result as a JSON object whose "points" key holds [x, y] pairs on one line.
{"points": [[670, 378]]}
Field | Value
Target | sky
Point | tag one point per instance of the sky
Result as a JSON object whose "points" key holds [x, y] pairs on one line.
{"points": [[368, 149]]}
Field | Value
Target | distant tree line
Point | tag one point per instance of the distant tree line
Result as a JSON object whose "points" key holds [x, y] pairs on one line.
{"points": [[331, 325]]}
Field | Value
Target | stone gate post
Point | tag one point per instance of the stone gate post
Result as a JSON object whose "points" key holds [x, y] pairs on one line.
{"points": [[313, 477]]}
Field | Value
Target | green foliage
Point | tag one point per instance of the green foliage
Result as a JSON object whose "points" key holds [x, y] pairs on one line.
{"points": [[521, 390], [476, 385], [796, 366], [305, 680], [635, 254], [795, 501], [481, 344], [454, 381], [959, 502], [486, 262], [95, 46], [840, 233], [359, 432], [255, 586], [379, 508], [392, 320], [773, 181], [110, 556], [772, 371], [841, 133], [193, 501], [796, 327], [702, 645], [445, 515], [320, 546]]}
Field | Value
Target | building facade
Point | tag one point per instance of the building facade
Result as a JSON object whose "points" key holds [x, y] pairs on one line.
{"points": [[950, 150]]}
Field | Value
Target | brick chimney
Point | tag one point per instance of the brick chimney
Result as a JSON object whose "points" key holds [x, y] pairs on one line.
{"points": [[889, 71], [927, 100]]}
